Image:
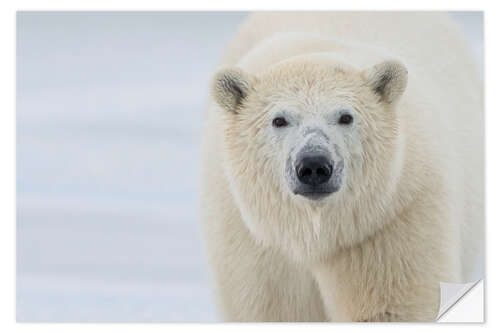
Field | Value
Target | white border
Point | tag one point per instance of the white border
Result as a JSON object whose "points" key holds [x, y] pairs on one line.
{"points": [[7, 144]]}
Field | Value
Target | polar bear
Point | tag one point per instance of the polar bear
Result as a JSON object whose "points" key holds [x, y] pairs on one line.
{"points": [[342, 167]]}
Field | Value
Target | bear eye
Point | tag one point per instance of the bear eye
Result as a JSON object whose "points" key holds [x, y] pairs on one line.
{"points": [[279, 122], [345, 119]]}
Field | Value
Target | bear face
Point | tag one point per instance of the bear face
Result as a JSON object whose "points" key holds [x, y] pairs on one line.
{"points": [[305, 142]]}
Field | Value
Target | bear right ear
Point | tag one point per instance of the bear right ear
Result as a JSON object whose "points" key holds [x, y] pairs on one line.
{"points": [[230, 87], [388, 80]]}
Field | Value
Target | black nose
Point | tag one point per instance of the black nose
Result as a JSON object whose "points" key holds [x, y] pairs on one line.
{"points": [[314, 170]]}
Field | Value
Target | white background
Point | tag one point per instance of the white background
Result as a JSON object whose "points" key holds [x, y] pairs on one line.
{"points": [[109, 108]]}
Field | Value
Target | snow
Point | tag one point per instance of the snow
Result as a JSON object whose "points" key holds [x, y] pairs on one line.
{"points": [[109, 109]]}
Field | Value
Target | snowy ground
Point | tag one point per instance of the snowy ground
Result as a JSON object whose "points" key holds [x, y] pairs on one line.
{"points": [[109, 108]]}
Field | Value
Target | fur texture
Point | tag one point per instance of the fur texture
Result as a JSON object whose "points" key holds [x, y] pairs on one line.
{"points": [[409, 209]]}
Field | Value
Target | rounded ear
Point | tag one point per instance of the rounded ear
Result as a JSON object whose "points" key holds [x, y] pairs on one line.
{"points": [[388, 80], [230, 87]]}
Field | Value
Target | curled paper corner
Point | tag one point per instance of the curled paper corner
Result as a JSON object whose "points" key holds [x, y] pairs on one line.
{"points": [[454, 293]]}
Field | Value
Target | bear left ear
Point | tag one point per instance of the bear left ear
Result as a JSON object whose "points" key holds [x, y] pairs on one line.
{"points": [[388, 80], [230, 87]]}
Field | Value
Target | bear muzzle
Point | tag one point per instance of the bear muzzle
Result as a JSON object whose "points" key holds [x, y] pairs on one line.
{"points": [[317, 176]]}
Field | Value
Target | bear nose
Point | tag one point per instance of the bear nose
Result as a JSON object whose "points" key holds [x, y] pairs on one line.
{"points": [[314, 170]]}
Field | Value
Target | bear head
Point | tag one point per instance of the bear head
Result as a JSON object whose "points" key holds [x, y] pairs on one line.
{"points": [[308, 142]]}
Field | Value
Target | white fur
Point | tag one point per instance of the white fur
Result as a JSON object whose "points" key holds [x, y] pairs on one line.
{"points": [[410, 213]]}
